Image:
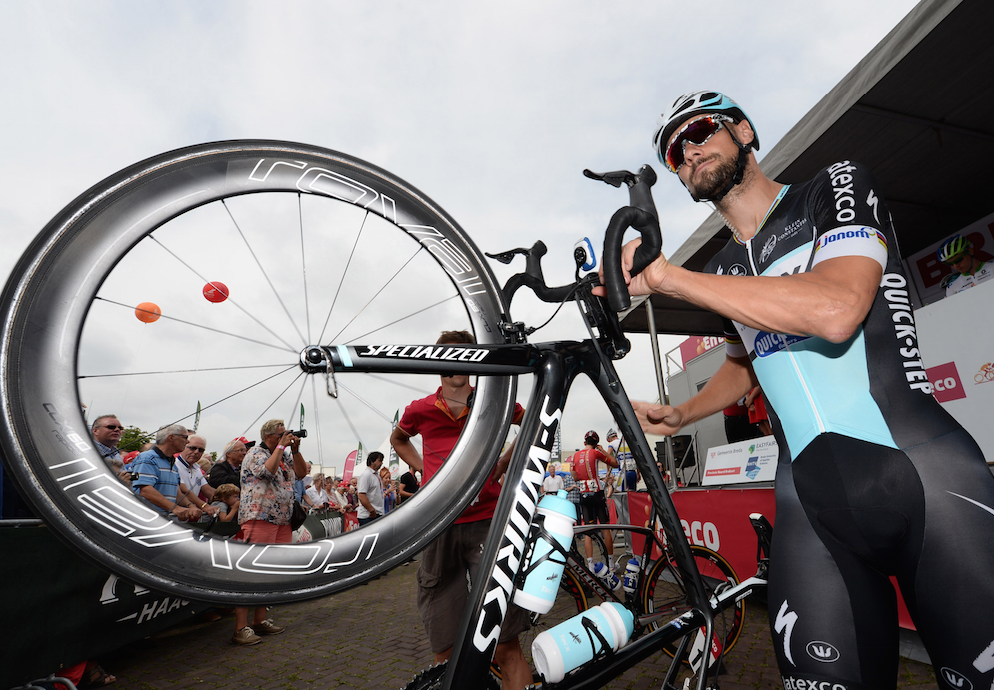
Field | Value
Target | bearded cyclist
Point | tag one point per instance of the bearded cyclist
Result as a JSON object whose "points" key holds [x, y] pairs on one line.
{"points": [[874, 478], [968, 270]]}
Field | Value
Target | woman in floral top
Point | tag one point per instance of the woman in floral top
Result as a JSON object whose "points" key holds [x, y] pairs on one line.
{"points": [[268, 473]]}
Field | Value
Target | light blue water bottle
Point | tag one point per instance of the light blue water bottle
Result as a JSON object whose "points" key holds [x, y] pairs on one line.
{"points": [[571, 644], [542, 583]]}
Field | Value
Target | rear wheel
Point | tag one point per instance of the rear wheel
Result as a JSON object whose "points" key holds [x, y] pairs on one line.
{"points": [[253, 251], [663, 592]]}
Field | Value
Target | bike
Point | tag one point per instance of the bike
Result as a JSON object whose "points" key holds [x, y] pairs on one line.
{"points": [[159, 230]]}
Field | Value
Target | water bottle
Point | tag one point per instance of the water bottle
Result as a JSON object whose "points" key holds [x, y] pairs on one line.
{"points": [[605, 575], [542, 583], [631, 575], [571, 644]]}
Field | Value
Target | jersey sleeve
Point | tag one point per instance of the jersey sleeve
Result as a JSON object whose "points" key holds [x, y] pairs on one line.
{"points": [[848, 214], [733, 341]]}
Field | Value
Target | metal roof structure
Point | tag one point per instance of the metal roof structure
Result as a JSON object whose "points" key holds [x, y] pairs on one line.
{"points": [[918, 110]]}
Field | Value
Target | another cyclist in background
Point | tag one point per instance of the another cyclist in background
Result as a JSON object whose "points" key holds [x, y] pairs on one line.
{"points": [[968, 270], [618, 449], [454, 556], [593, 504], [875, 478]]}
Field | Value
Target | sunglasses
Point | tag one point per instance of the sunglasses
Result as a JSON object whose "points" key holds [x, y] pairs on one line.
{"points": [[955, 260], [196, 448], [698, 132], [113, 428]]}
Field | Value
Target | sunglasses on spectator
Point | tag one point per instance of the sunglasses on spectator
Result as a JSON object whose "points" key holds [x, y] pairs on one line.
{"points": [[698, 132], [112, 427], [196, 449]]}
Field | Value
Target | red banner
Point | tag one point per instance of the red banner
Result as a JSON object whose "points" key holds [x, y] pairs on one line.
{"points": [[697, 345], [349, 466]]}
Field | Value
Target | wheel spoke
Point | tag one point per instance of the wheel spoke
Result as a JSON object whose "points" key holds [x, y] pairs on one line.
{"points": [[265, 273], [257, 383], [345, 273], [270, 405], [403, 318], [188, 371]]}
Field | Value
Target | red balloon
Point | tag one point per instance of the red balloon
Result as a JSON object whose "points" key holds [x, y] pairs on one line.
{"points": [[215, 291], [148, 312]]}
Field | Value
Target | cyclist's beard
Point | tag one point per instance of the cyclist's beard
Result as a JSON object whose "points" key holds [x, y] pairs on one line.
{"points": [[713, 179]]}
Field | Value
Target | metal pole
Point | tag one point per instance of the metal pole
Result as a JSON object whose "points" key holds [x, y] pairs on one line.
{"points": [[663, 397]]}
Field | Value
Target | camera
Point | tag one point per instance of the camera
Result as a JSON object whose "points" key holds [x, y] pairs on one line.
{"points": [[300, 434]]}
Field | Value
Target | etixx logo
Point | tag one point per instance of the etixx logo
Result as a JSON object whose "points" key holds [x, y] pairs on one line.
{"points": [[822, 651]]}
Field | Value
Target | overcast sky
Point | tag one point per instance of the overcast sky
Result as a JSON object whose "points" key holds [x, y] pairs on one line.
{"points": [[491, 109]]}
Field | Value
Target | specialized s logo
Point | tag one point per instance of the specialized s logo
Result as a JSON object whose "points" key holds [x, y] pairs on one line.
{"points": [[956, 679], [785, 624], [822, 651]]}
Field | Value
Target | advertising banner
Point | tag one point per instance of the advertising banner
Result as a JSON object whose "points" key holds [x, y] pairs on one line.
{"points": [[754, 460], [697, 345], [956, 337]]}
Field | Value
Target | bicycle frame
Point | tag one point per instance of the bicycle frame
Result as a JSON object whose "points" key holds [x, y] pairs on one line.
{"points": [[556, 366]]}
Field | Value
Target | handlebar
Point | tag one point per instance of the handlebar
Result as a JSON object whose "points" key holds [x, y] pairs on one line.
{"points": [[640, 215]]}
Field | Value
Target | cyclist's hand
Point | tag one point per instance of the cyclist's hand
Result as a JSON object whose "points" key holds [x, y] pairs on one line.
{"points": [[646, 282], [662, 420]]}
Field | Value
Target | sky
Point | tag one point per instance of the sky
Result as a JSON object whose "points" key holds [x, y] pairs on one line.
{"points": [[491, 109]]}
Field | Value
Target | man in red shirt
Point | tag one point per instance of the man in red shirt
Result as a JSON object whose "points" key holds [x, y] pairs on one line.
{"points": [[442, 591], [593, 504]]}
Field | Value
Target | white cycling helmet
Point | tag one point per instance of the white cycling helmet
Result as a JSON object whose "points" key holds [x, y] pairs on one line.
{"points": [[698, 103]]}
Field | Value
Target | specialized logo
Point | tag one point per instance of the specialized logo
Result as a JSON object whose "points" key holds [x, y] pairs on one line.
{"points": [[822, 651], [904, 326], [437, 352], [512, 545], [785, 624], [768, 248], [955, 678], [792, 683], [767, 344]]}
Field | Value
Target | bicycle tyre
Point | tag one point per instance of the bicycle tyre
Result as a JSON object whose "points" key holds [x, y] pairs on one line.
{"points": [[45, 438], [662, 590]]}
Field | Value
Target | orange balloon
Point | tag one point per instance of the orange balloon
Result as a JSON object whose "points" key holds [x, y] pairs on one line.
{"points": [[148, 312]]}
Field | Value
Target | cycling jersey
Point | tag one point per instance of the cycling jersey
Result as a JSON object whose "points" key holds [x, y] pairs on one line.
{"points": [[585, 464], [875, 478], [963, 281]]}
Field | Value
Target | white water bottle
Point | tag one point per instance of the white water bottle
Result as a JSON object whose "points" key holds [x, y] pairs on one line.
{"points": [[542, 583], [571, 644], [607, 576], [631, 575]]}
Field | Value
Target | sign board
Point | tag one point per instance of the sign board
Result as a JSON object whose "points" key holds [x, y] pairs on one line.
{"points": [[697, 345], [754, 460], [956, 337]]}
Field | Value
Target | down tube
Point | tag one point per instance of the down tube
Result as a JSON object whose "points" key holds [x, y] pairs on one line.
{"points": [[609, 386], [493, 588]]}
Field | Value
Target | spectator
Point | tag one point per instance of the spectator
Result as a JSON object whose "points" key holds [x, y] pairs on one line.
{"points": [[453, 557], [408, 486], [300, 487], [572, 490], [553, 482], [618, 449], [268, 475], [227, 470], [158, 480], [226, 499], [318, 496], [193, 486], [107, 430], [370, 490], [389, 490]]}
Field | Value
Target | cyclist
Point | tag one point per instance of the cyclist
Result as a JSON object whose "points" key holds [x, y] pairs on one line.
{"points": [[451, 561], [968, 270], [593, 504], [618, 449], [814, 284]]}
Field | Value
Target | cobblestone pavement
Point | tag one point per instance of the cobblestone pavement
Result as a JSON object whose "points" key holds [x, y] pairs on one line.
{"points": [[371, 637]]}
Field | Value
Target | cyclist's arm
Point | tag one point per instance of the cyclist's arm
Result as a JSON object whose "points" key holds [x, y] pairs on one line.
{"points": [[406, 451], [734, 378], [828, 302]]}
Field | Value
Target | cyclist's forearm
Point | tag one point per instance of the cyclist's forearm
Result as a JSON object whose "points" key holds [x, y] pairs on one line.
{"points": [[406, 451], [734, 378]]}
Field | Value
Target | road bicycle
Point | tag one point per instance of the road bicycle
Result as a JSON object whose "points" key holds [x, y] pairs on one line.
{"points": [[222, 239]]}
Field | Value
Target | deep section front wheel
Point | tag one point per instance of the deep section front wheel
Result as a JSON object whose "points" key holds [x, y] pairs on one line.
{"points": [[252, 251]]}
